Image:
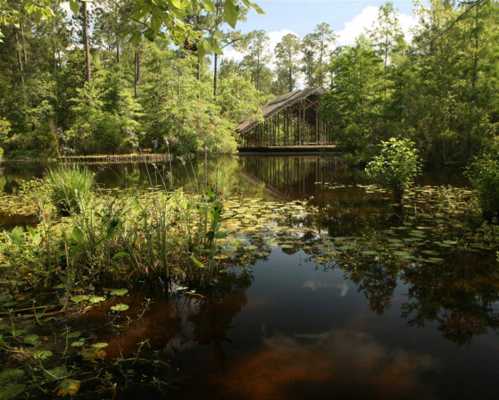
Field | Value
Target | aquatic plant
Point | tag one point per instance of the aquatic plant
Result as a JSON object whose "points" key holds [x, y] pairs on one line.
{"points": [[396, 166], [69, 188], [484, 176]]}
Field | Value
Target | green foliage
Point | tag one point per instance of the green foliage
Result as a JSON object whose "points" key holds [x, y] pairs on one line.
{"points": [[149, 236], [239, 100], [317, 51], [287, 53], [484, 176], [54, 109], [441, 90], [69, 188], [106, 116], [354, 103], [396, 166], [257, 56], [4, 133], [181, 115]]}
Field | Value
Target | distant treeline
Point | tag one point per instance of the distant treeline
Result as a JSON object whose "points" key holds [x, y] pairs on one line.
{"points": [[112, 76]]}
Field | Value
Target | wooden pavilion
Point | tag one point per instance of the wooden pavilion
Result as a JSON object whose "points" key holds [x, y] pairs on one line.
{"points": [[290, 122]]}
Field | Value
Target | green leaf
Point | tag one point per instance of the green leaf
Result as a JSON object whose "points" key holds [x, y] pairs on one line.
{"points": [[80, 298], [96, 299], [32, 340], [78, 343], [74, 335], [9, 375], [119, 292], [120, 307], [57, 373], [120, 255], [75, 7], [209, 5], [179, 4], [11, 391], [42, 355], [68, 387], [196, 262], [100, 345], [231, 13]]}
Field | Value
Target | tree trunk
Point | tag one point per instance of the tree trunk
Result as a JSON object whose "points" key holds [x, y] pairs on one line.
{"points": [[215, 75], [19, 57], [136, 80], [198, 69], [86, 41], [398, 194]]}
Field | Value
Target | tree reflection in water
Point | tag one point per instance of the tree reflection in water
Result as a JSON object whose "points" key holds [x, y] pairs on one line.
{"points": [[461, 296]]}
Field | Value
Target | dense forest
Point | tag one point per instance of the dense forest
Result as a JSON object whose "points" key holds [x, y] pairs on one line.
{"points": [[111, 76], [364, 267]]}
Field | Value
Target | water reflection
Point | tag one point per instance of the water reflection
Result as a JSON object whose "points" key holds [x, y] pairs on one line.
{"points": [[461, 296], [304, 322], [340, 363]]}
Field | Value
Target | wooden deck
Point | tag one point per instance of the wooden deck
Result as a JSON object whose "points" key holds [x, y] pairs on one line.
{"points": [[304, 148], [116, 158]]}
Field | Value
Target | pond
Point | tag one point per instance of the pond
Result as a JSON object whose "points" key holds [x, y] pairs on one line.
{"points": [[344, 295]]}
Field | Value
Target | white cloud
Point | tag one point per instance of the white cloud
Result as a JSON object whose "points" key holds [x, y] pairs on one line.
{"points": [[358, 25], [365, 21]]}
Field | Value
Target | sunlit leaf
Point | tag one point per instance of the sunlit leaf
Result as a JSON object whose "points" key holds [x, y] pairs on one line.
{"points": [[231, 13], [96, 299], [42, 354], [119, 292], [120, 307], [80, 298], [100, 345], [68, 387]]}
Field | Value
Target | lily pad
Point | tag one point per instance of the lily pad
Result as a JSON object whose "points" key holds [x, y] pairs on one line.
{"points": [[96, 299], [119, 292], [120, 307], [80, 298], [100, 345]]}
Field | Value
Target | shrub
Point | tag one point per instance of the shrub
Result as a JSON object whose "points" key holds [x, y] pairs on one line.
{"points": [[484, 176], [69, 187], [396, 166]]}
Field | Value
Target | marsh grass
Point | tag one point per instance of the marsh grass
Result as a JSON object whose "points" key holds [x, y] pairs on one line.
{"points": [[69, 188], [159, 238]]}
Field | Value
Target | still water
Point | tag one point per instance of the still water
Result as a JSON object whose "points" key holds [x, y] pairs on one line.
{"points": [[287, 327]]}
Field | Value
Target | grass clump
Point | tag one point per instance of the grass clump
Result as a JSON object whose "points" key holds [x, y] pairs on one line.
{"points": [[148, 238], [69, 188], [483, 174]]}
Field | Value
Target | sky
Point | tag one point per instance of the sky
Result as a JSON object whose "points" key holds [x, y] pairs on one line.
{"points": [[348, 18]]}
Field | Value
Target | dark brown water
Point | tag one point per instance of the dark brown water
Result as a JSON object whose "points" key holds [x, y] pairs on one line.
{"points": [[289, 328]]}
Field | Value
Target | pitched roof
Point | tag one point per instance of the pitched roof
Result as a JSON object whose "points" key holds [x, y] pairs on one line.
{"points": [[280, 103]]}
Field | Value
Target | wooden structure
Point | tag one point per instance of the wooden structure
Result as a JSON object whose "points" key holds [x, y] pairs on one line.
{"points": [[116, 158], [290, 122]]}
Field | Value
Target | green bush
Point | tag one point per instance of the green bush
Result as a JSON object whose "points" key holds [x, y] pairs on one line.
{"points": [[69, 187], [396, 166], [484, 176]]}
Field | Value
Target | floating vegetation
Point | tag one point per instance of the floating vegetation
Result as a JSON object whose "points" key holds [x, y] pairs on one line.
{"points": [[22, 209], [198, 249]]}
